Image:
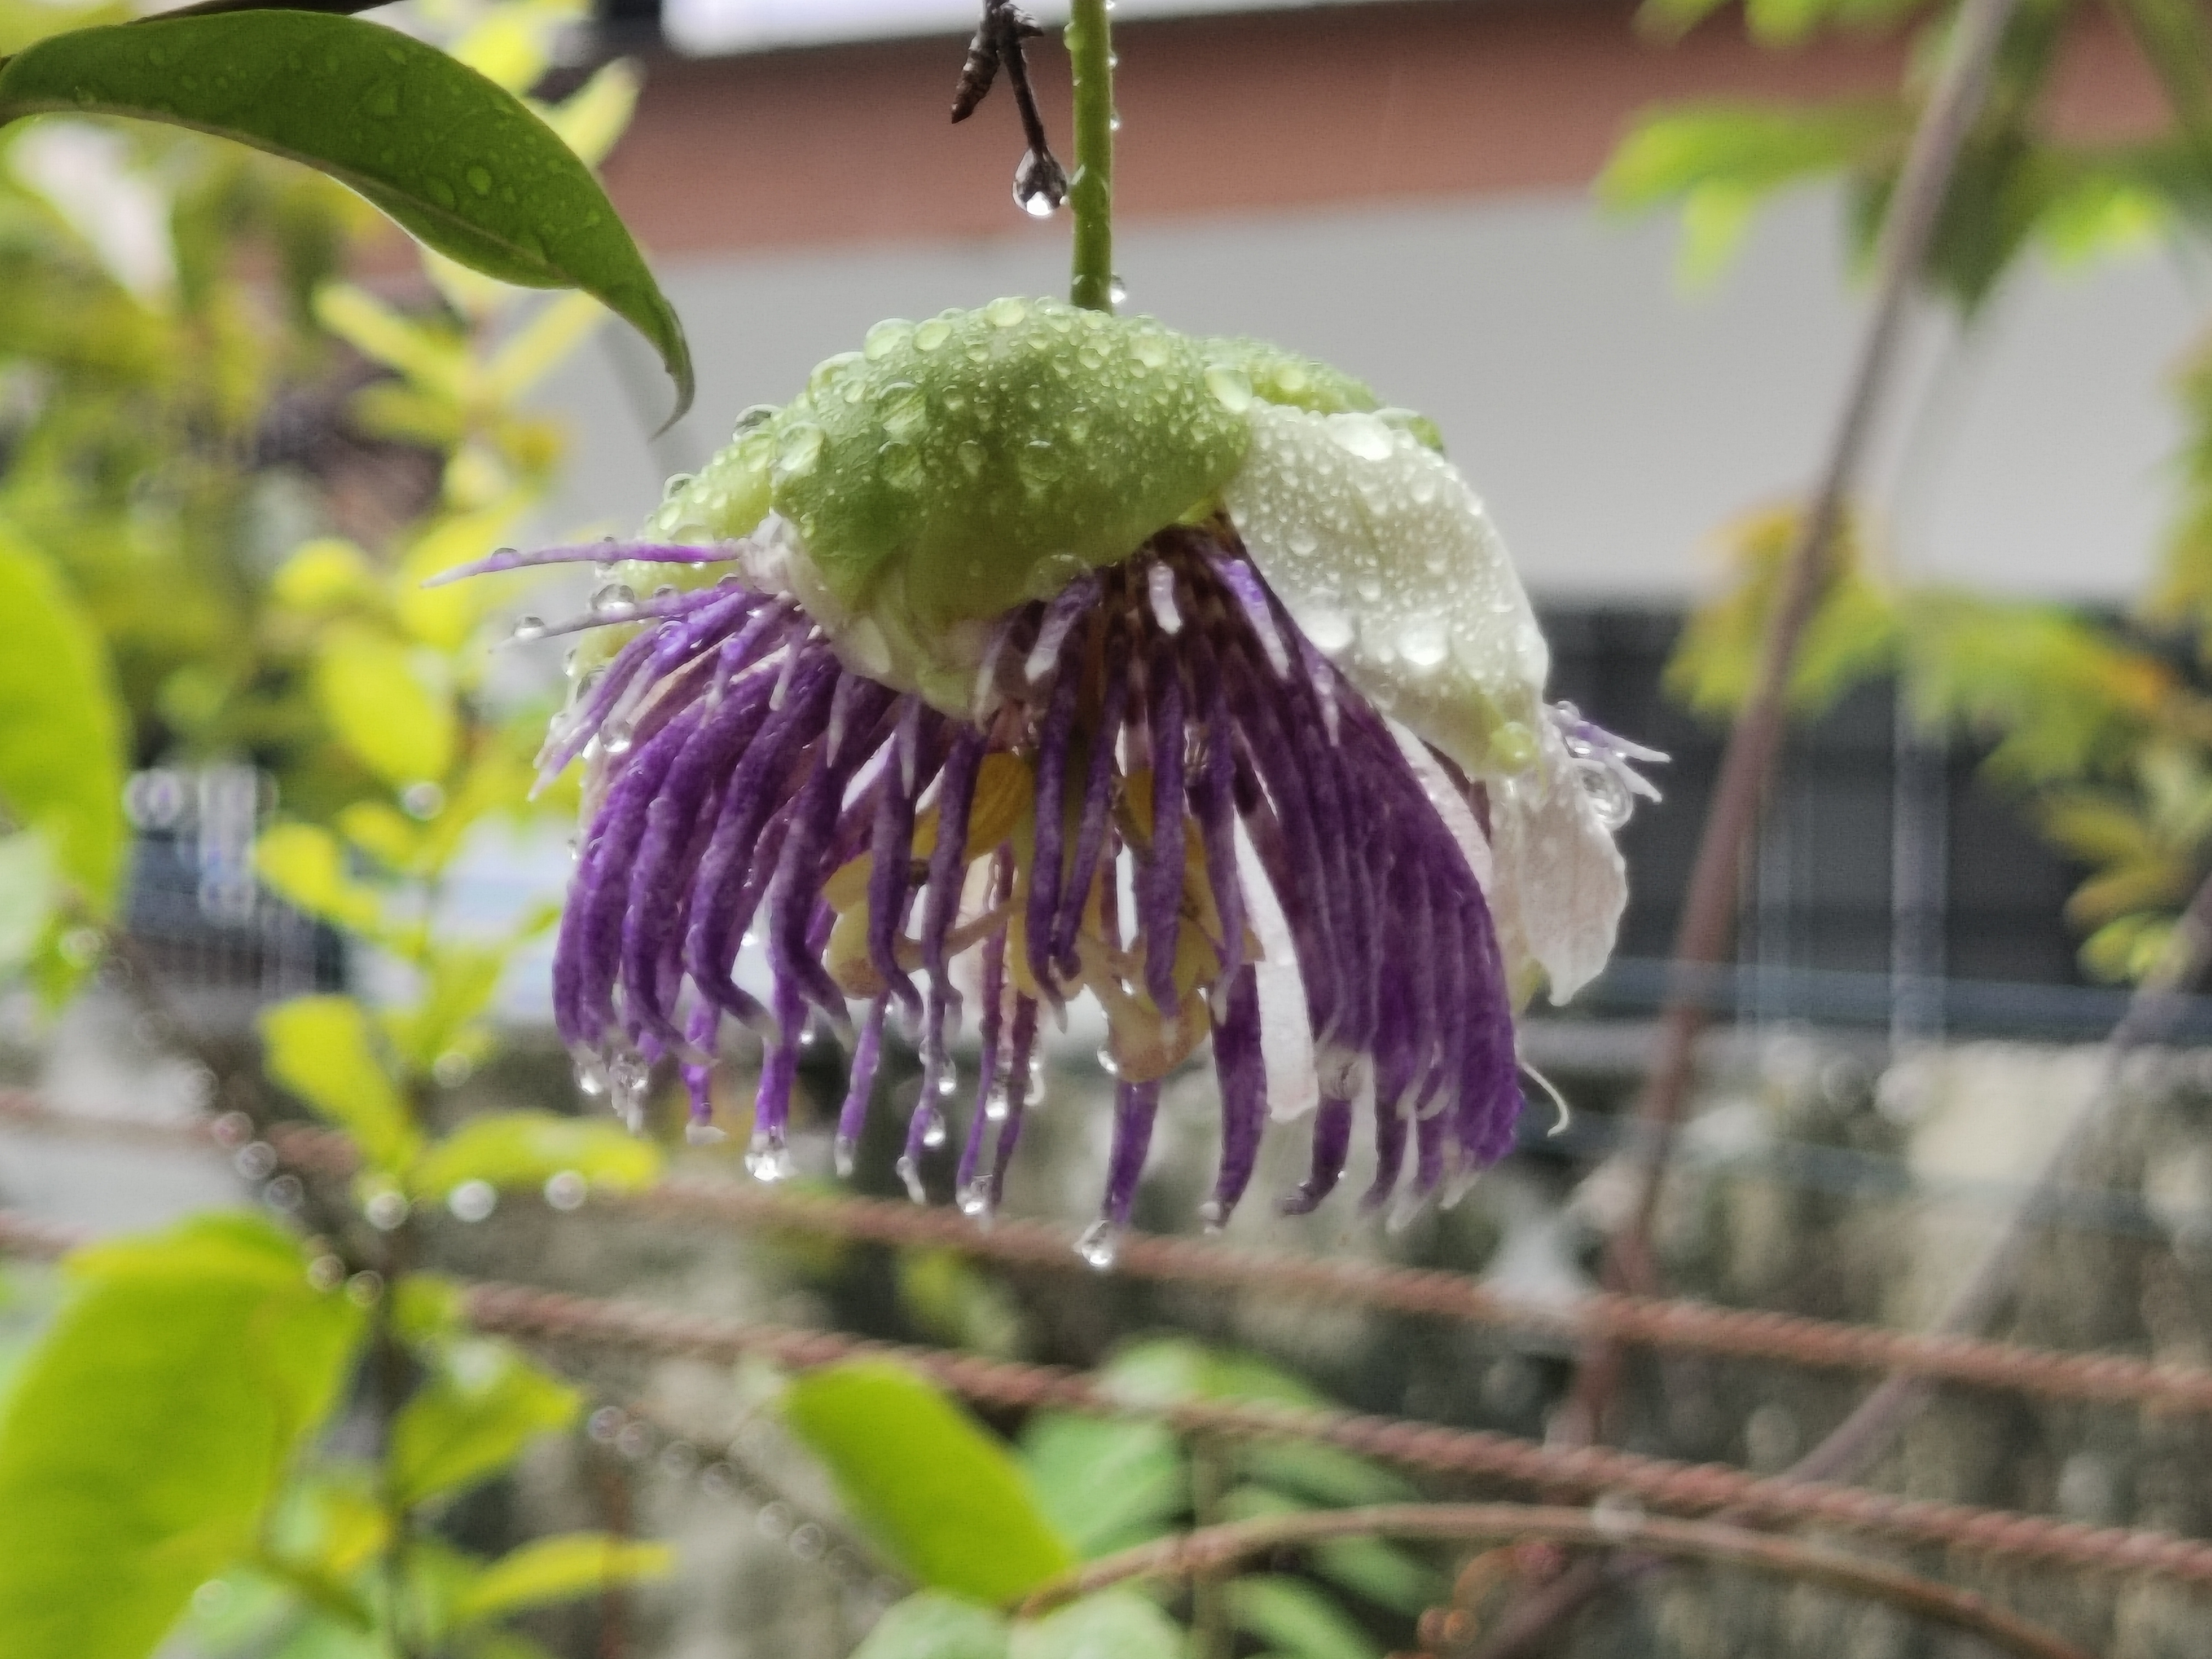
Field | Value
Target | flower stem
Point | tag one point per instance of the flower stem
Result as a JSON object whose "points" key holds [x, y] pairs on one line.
{"points": [[1091, 192]]}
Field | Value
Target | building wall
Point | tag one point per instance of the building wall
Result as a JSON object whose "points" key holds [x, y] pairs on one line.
{"points": [[1611, 421]]}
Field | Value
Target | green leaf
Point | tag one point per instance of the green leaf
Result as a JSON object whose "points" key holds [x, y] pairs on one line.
{"points": [[1327, 1474], [558, 1570], [1293, 1615], [384, 707], [459, 983], [61, 727], [1167, 1368], [149, 1431], [320, 1049], [30, 888], [458, 160], [931, 1625], [1105, 1485], [942, 1497], [305, 866], [523, 1148], [483, 1403], [1116, 1624], [1386, 1575]]}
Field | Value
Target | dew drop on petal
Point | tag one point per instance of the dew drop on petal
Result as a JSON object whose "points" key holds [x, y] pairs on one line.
{"points": [[527, 629], [801, 448], [1231, 387]]}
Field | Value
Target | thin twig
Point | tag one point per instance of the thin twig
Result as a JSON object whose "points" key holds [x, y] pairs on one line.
{"points": [[1215, 1548], [1708, 921]]}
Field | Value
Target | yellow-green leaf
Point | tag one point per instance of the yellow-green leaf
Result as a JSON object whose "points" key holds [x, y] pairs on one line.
{"points": [[941, 1496], [385, 706], [523, 1148], [319, 1048], [483, 1404], [149, 1431], [305, 866], [558, 1569]]}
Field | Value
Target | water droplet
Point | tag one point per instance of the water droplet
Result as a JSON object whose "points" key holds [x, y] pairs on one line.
{"points": [[591, 1077], [1213, 1215], [885, 338], [1039, 186], [1040, 464], [1008, 313], [615, 738], [422, 801], [615, 601], [473, 1200], [971, 456], [1100, 1245], [1302, 541], [975, 1199], [903, 409], [567, 1189], [932, 334], [801, 448], [1051, 573], [830, 371], [1151, 351], [1513, 746], [900, 465], [1423, 645], [910, 1172], [844, 1156], [768, 1159], [479, 179], [255, 1161], [1362, 436], [1231, 387], [1331, 631], [526, 629]]}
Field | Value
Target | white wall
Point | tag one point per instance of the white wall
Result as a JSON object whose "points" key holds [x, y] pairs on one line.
{"points": [[1610, 421]]}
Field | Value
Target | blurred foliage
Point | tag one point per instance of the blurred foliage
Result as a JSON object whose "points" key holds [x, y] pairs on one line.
{"points": [[975, 1527], [2102, 726]]}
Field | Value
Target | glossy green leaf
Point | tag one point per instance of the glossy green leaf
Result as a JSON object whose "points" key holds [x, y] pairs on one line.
{"points": [[931, 1625], [940, 1495], [483, 1403], [458, 981], [523, 1148], [458, 160], [149, 1432], [1106, 1484], [1385, 1574], [61, 728], [1116, 1624], [558, 1570], [1161, 1369], [386, 707], [321, 1050], [1293, 1615]]}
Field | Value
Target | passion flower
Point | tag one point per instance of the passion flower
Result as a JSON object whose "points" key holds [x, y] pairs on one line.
{"points": [[1090, 658]]}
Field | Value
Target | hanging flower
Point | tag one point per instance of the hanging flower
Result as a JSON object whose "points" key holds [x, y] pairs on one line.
{"points": [[1085, 658]]}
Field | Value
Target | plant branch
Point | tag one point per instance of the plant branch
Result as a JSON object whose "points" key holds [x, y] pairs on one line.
{"points": [[1860, 1437], [1090, 194], [1708, 919], [1215, 1548]]}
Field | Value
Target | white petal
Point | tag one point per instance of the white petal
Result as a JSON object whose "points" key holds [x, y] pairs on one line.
{"points": [[1561, 885], [1285, 1040], [1388, 564]]}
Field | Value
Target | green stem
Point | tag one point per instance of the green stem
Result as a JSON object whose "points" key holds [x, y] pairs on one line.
{"points": [[1091, 192]]}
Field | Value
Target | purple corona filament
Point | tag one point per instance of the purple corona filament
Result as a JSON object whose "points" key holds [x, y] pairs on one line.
{"points": [[1148, 750]]}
